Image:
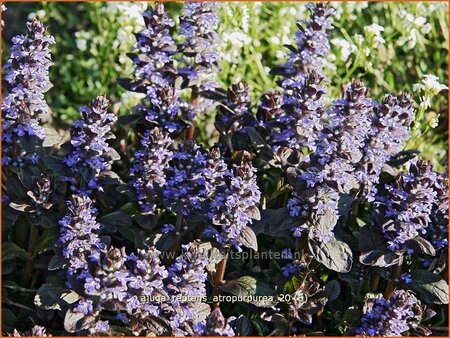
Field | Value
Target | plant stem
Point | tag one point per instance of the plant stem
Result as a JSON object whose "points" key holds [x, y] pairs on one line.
{"points": [[173, 248], [396, 270], [32, 241], [10, 302], [195, 100], [374, 282], [218, 278]]}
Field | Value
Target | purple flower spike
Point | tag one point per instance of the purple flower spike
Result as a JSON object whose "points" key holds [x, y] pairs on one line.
{"points": [[197, 24], [147, 174], [91, 154], [393, 317], [25, 76]]}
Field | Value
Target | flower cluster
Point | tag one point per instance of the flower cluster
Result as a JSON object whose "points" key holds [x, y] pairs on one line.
{"points": [[164, 109], [406, 206], [312, 44], [26, 80], [390, 130], [339, 148], [216, 325], [141, 290], [235, 205], [153, 57], [234, 112], [187, 278], [197, 24], [111, 280], [437, 232], [393, 317], [155, 72], [192, 179], [79, 233], [300, 123], [36, 331], [148, 171], [91, 154], [119, 282], [331, 169]]}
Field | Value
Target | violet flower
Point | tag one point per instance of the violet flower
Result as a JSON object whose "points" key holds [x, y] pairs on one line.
{"points": [[197, 24], [26, 80], [186, 284], [312, 44], [330, 169], [147, 173], [79, 234], [192, 179], [234, 206], [153, 54], [216, 325], [393, 317], [234, 113], [405, 208], [91, 154], [390, 130]]}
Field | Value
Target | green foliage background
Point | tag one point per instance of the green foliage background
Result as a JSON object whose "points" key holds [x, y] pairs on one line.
{"points": [[93, 39], [252, 38]]}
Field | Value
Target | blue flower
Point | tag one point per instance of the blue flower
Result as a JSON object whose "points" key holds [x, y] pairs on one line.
{"points": [[148, 171], [393, 317], [90, 155], [26, 79], [200, 60]]}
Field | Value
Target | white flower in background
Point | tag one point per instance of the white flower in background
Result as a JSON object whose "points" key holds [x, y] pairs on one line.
{"points": [[430, 84], [428, 88], [245, 18], [82, 38], [40, 14], [346, 48], [373, 33], [414, 27], [351, 9], [3, 9]]}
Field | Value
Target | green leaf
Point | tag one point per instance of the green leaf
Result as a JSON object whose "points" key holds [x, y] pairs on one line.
{"points": [[333, 289], [52, 137], [115, 220], [11, 251], [251, 291], [379, 257], [248, 238], [54, 297], [274, 222], [110, 177], [56, 262], [403, 157], [344, 203], [352, 316], [370, 239], [430, 287], [261, 327], [335, 254], [46, 240], [242, 326], [326, 222], [260, 146], [8, 320], [421, 245], [76, 321]]}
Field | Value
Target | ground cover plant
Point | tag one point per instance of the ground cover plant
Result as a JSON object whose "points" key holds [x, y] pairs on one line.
{"points": [[311, 213]]}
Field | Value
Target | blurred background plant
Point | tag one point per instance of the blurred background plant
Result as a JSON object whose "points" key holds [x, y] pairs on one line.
{"points": [[373, 41]]}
